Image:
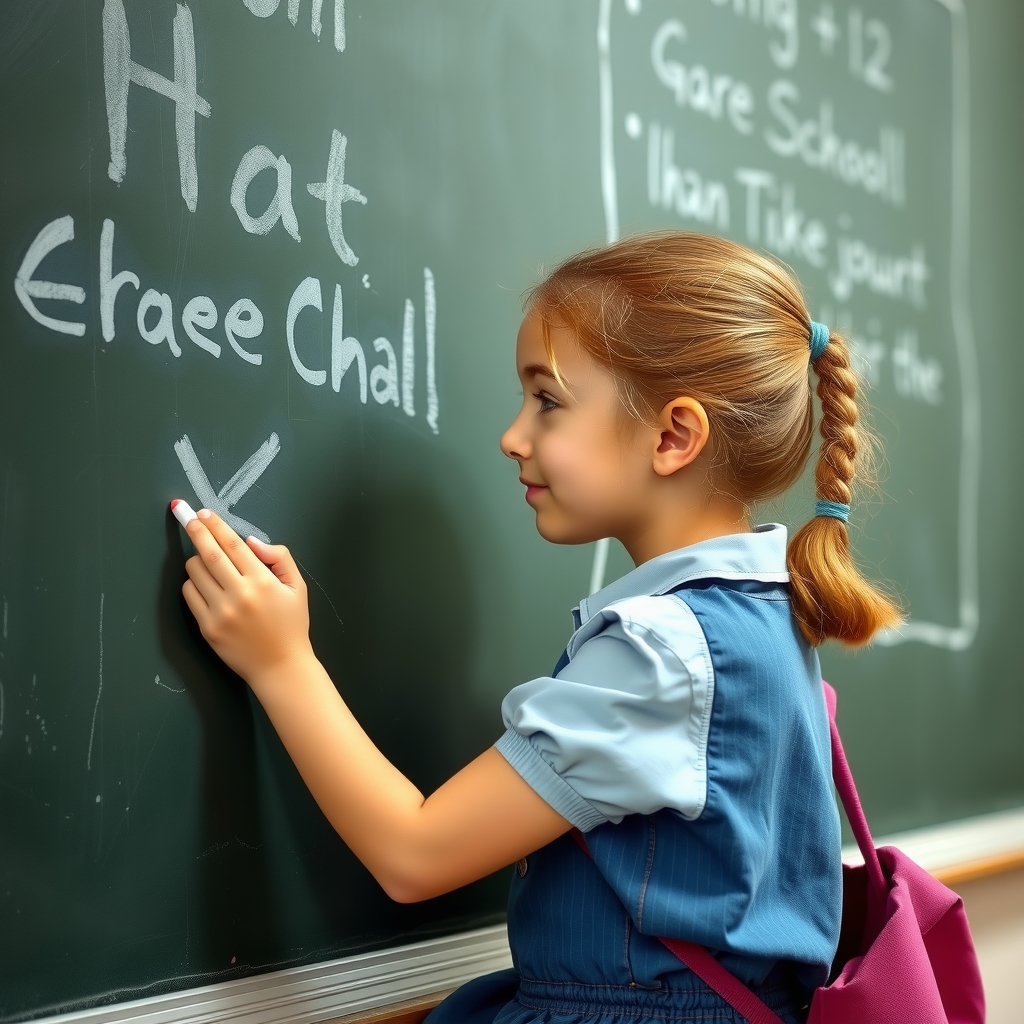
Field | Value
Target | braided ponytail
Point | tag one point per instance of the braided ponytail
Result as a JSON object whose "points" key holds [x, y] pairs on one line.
{"points": [[671, 313], [831, 600]]}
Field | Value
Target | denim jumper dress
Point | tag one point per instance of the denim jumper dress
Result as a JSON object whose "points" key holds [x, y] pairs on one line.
{"points": [[756, 877]]}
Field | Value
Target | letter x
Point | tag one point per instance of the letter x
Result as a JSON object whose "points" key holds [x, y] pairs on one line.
{"points": [[221, 501]]}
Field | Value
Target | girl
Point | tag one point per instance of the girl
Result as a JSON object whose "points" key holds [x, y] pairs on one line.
{"points": [[683, 731]]}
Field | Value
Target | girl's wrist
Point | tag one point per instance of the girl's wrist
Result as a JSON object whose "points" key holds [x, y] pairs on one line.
{"points": [[286, 673]]}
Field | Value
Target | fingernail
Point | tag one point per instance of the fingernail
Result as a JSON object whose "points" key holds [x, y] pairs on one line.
{"points": [[204, 513]]}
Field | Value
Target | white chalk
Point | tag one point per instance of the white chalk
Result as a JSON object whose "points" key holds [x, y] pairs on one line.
{"points": [[183, 511]]}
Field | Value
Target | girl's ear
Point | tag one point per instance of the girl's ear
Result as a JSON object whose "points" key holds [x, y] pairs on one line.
{"points": [[683, 432]]}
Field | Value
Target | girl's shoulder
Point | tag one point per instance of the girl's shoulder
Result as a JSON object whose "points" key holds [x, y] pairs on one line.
{"points": [[650, 646], [667, 615], [689, 634], [623, 721]]}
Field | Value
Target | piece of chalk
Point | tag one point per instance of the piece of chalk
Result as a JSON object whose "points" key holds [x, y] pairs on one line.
{"points": [[183, 511]]}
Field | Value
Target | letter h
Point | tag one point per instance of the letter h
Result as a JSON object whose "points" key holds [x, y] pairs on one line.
{"points": [[119, 70]]}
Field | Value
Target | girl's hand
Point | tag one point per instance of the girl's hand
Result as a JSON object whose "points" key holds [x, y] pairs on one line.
{"points": [[250, 603], [248, 598]]}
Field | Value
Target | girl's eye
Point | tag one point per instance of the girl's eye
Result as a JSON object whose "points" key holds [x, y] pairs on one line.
{"points": [[547, 403]]}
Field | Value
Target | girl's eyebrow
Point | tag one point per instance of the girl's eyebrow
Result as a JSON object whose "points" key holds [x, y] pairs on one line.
{"points": [[539, 370]]}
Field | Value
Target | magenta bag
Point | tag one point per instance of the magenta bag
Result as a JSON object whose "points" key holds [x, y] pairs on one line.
{"points": [[905, 947]]}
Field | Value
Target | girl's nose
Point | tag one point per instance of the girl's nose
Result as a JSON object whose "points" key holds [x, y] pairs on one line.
{"points": [[514, 442]]}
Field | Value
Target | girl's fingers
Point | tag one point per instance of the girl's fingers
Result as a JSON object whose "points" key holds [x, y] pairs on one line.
{"points": [[204, 581], [212, 554], [196, 602], [231, 544], [278, 559]]}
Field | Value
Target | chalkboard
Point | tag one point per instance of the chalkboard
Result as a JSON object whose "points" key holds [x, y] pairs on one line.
{"points": [[268, 257]]}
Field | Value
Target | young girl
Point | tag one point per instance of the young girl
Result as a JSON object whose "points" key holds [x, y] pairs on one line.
{"points": [[672, 777]]}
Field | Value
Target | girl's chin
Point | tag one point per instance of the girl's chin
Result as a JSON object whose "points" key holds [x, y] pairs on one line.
{"points": [[556, 530]]}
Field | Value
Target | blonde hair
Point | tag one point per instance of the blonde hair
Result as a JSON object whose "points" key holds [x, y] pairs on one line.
{"points": [[671, 314]]}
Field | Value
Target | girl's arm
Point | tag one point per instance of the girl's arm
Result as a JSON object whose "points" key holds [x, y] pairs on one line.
{"points": [[255, 617]]}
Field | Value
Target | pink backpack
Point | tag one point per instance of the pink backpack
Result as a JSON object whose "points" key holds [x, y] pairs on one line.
{"points": [[905, 948]]}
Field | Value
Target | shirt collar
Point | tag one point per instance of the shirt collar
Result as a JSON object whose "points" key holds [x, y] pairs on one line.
{"points": [[760, 555]]}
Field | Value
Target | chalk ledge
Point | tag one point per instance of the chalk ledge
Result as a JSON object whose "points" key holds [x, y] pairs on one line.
{"points": [[409, 975], [959, 851], [319, 992]]}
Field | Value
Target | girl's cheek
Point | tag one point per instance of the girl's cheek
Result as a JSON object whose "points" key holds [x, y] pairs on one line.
{"points": [[563, 460], [580, 476]]}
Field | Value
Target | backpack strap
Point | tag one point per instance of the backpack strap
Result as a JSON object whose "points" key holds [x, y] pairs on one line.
{"points": [[847, 790], [878, 888], [722, 981], [718, 978]]}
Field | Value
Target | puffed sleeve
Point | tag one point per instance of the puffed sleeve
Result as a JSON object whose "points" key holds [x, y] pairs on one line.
{"points": [[623, 728]]}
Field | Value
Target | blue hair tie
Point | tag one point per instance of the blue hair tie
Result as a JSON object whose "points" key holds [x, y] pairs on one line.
{"points": [[819, 339], [832, 509]]}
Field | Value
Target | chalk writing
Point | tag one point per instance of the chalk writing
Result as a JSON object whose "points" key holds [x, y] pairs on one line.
{"points": [[265, 8], [870, 47], [228, 496], [778, 17], [408, 359], [344, 351], [119, 71], [682, 189], [335, 191], [111, 283], [827, 29], [714, 95], [244, 320], [200, 311], [898, 277], [430, 311], [307, 294], [915, 376], [816, 142], [56, 233], [163, 329], [384, 377], [783, 226], [391, 379], [257, 159]]}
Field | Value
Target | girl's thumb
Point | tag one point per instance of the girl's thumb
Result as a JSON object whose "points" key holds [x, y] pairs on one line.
{"points": [[277, 558]]}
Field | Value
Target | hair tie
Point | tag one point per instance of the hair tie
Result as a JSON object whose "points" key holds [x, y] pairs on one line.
{"points": [[819, 339], [832, 510]]}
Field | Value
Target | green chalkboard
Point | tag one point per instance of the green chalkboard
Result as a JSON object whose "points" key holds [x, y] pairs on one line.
{"points": [[277, 266]]}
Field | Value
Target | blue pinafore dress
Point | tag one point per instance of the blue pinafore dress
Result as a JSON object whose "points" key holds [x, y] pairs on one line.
{"points": [[756, 877]]}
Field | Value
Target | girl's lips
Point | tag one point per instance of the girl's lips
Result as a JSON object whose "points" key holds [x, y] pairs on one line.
{"points": [[533, 491]]}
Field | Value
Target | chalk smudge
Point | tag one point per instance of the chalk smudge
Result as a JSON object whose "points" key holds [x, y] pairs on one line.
{"points": [[166, 687]]}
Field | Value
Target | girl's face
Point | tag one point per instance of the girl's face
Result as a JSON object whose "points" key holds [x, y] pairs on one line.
{"points": [[583, 460]]}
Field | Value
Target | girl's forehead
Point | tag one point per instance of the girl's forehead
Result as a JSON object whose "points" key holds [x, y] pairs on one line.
{"points": [[530, 347], [540, 344], [552, 355]]}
